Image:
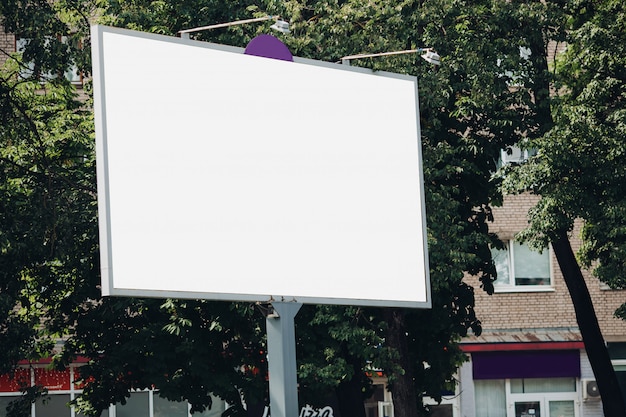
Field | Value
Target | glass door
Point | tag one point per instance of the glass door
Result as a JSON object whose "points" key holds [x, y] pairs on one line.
{"points": [[561, 408], [545, 408], [527, 409]]}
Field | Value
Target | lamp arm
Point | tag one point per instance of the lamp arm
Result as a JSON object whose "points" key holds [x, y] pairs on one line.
{"points": [[185, 32], [408, 51]]}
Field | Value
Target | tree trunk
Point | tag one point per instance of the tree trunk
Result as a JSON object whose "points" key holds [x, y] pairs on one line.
{"points": [[612, 401], [350, 393], [403, 388]]}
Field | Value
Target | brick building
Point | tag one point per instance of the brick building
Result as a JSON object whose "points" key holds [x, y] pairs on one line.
{"points": [[530, 359], [7, 45]]}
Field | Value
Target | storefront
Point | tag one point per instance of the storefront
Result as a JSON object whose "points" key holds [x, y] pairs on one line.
{"points": [[62, 390], [527, 380]]}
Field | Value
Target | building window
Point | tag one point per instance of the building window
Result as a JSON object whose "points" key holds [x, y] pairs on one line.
{"points": [[521, 268], [53, 406], [527, 397], [515, 155], [61, 390], [441, 410], [534, 385], [72, 73], [490, 397], [617, 353]]}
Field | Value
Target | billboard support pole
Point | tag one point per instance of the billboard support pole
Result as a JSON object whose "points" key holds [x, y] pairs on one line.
{"points": [[281, 357]]}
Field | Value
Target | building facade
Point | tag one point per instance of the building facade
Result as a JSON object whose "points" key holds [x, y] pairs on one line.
{"points": [[62, 390], [530, 359]]}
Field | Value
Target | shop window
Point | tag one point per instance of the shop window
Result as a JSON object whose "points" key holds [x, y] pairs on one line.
{"points": [[55, 405], [521, 268], [4, 403], [515, 155], [137, 405], [61, 391], [165, 408], [104, 413], [527, 397], [533, 385], [373, 402], [217, 408], [150, 404], [490, 397]]}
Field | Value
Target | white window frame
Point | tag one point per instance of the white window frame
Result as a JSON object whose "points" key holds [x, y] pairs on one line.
{"points": [[517, 155], [511, 286], [543, 398]]}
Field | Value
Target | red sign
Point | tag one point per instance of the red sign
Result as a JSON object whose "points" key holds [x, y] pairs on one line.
{"points": [[14, 382], [52, 379]]}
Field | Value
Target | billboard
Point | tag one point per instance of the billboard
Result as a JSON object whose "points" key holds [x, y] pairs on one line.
{"points": [[228, 176]]}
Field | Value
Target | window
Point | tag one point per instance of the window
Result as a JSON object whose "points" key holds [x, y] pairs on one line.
{"points": [[519, 267], [516, 155], [4, 403], [515, 68], [527, 397], [71, 73], [53, 406], [61, 391], [441, 410], [137, 405], [617, 352]]}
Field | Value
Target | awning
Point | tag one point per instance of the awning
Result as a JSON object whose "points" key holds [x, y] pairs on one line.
{"points": [[526, 364]]}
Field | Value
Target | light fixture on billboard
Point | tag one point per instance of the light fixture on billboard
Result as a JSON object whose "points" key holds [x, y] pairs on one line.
{"points": [[428, 54], [432, 57], [280, 25]]}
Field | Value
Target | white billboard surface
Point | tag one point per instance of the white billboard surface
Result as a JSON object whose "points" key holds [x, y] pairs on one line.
{"points": [[234, 177]]}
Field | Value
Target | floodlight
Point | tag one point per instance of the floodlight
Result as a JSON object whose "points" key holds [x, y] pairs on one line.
{"points": [[432, 57], [281, 26]]}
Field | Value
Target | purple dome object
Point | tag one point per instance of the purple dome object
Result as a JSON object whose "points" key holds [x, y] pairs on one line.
{"points": [[268, 46]]}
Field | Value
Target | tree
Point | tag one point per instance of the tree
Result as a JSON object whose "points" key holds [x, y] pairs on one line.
{"points": [[47, 195], [578, 171], [469, 112], [460, 146], [48, 234]]}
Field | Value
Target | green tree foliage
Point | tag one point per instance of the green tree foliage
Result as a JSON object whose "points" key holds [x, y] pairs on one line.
{"points": [[579, 169], [48, 227], [485, 97]]}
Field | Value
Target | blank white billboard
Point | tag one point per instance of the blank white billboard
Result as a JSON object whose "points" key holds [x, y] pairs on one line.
{"points": [[234, 177]]}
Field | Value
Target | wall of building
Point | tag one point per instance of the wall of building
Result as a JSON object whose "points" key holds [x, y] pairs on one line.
{"points": [[552, 308], [536, 317], [7, 45]]}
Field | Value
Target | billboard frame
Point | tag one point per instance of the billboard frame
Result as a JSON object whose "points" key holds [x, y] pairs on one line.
{"points": [[103, 153]]}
